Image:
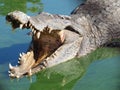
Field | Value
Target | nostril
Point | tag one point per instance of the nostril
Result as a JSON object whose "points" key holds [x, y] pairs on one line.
{"points": [[7, 17]]}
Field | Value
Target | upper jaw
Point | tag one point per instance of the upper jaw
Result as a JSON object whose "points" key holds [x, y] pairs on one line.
{"points": [[18, 15], [18, 19]]}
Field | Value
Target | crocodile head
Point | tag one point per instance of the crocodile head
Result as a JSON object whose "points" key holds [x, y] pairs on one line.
{"points": [[47, 39]]}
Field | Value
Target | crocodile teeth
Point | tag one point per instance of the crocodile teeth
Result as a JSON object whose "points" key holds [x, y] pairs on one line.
{"points": [[21, 26], [18, 62], [20, 55], [45, 63], [9, 72], [23, 54], [19, 59], [22, 58], [34, 31], [26, 24], [29, 24], [49, 30], [30, 72], [10, 66], [17, 76], [38, 35], [11, 75], [28, 53]]}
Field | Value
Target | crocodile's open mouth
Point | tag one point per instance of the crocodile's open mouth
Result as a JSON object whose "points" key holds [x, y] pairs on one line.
{"points": [[44, 43]]}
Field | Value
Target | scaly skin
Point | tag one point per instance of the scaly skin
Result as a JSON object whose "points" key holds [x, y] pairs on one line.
{"points": [[88, 27]]}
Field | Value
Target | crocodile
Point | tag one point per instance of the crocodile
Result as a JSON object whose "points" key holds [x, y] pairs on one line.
{"points": [[59, 38]]}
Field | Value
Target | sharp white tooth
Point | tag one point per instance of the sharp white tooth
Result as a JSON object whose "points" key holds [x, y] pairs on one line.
{"points": [[34, 31], [30, 72], [9, 72], [21, 26], [26, 24], [29, 24], [28, 53], [43, 67], [23, 54], [45, 63], [50, 30], [19, 59], [20, 55], [18, 62], [10, 66], [38, 35], [11, 75], [17, 76]]}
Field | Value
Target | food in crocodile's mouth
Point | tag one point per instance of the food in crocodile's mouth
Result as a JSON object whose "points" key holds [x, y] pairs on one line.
{"points": [[45, 43]]}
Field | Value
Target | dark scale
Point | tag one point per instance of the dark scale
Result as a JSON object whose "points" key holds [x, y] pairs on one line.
{"points": [[113, 44]]}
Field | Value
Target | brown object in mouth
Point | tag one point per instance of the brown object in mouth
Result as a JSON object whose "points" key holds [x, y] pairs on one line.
{"points": [[46, 44]]}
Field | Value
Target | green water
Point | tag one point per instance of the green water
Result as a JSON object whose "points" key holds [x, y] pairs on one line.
{"points": [[96, 71], [101, 75], [77, 74]]}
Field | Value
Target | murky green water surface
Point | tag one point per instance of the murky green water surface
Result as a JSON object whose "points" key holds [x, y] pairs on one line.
{"points": [[96, 71]]}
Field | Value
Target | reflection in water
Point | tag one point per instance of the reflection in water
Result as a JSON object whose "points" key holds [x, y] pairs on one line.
{"points": [[7, 6], [34, 6], [65, 75]]}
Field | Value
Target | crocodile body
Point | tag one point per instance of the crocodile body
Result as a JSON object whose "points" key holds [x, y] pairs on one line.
{"points": [[59, 38]]}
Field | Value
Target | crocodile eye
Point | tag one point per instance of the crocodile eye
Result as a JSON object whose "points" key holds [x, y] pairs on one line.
{"points": [[70, 28]]}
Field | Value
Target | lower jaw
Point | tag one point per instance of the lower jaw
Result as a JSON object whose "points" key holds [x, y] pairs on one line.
{"points": [[28, 66], [26, 61]]}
